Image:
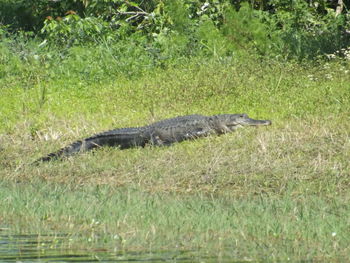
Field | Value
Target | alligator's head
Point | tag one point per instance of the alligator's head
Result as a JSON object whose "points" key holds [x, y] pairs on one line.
{"points": [[234, 121]]}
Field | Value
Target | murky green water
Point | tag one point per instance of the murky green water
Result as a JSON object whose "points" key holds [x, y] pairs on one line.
{"points": [[43, 248]]}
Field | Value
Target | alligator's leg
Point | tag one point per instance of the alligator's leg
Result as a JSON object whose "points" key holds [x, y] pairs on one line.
{"points": [[157, 141], [200, 132], [222, 129]]}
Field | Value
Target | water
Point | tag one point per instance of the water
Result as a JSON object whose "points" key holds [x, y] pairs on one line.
{"points": [[43, 248]]}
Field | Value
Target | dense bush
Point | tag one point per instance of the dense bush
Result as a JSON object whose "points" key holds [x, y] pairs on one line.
{"points": [[170, 29], [29, 15]]}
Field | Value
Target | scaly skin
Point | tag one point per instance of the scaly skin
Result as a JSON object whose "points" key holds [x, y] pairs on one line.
{"points": [[160, 133]]}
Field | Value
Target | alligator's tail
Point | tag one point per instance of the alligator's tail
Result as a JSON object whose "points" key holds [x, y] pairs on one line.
{"points": [[124, 138]]}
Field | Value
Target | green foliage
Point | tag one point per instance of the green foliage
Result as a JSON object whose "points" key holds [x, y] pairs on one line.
{"points": [[280, 28], [74, 30], [29, 15], [306, 33], [212, 41], [246, 31], [178, 16], [107, 60]]}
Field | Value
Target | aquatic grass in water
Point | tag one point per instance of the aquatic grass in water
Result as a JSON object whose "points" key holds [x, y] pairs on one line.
{"points": [[39, 248], [117, 219], [28, 248]]}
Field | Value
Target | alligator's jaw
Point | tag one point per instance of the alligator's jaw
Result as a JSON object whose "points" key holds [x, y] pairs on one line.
{"points": [[252, 122], [249, 122]]}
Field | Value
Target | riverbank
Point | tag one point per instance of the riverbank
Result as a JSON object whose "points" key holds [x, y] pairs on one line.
{"points": [[274, 192]]}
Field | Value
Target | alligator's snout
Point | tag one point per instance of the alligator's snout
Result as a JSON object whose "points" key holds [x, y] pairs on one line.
{"points": [[258, 122]]}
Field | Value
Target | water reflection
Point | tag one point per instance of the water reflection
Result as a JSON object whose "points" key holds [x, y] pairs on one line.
{"points": [[43, 248]]}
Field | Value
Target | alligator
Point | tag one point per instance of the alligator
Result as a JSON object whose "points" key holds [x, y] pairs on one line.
{"points": [[164, 132]]}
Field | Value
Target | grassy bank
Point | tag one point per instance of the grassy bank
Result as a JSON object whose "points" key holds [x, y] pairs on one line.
{"points": [[275, 192]]}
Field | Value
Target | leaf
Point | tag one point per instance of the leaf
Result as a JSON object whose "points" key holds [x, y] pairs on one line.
{"points": [[132, 4]]}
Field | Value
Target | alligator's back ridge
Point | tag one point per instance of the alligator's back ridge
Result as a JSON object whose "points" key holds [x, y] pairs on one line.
{"points": [[180, 121]]}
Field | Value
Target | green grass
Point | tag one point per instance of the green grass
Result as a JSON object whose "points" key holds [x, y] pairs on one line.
{"points": [[128, 219], [272, 193]]}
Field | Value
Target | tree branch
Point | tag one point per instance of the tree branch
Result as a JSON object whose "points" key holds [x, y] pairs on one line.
{"points": [[133, 13]]}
